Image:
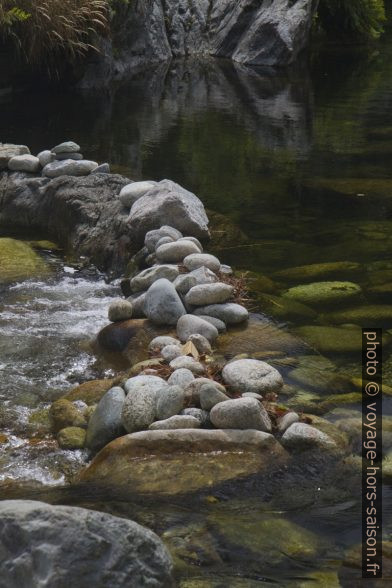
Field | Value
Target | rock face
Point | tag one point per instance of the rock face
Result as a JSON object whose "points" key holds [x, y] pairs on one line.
{"points": [[45, 545], [253, 33], [168, 204]]}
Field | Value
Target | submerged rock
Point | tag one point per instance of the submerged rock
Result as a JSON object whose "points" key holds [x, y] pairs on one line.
{"points": [[189, 325], [229, 312], [368, 314], [324, 293], [213, 456], [132, 192], [302, 436], [67, 539], [91, 392], [317, 271], [19, 261], [71, 438]]}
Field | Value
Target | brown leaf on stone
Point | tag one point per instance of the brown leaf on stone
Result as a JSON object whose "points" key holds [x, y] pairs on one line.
{"points": [[190, 349]]}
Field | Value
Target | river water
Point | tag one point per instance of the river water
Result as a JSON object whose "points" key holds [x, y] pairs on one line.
{"points": [[300, 166]]}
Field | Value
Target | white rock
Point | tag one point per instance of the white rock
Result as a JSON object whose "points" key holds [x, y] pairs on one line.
{"points": [[228, 312], [176, 251], [178, 421], [241, 413], [139, 408], [158, 343], [66, 147], [196, 260], [252, 375], [24, 163], [205, 294], [45, 157], [132, 192]]}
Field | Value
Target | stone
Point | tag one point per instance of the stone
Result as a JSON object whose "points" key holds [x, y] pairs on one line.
{"points": [[163, 241], [334, 339], [143, 366], [153, 237], [226, 270], [176, 251], [120, 310], [252, 395], [103, 168], [68, 167], [241, 413], [73, 156], [302, 436], [71, 438], [287, 420], [45, 157], [184, 282], [205, 294], [150, 275], [181, 377], [210, 396], [162, 304], [105, 422], [177, 421], [132, 192], [140, 404], [366, 314], [137, 301], [229, 312], [130, 336], [158, 343], [189, 363], [24, 163], [213, 456], [201, 415], [217, 323], [193, 389], [201, 343], [56, 544], [194, 240], [197, 260], [19, 261], [170, 204], [64, 414], [66, 147], [285, 309], [189, 325], [316, 271], [251, 375], [170, 352], [324, 293], [8, 151], [204, 275], [170, 401], [91, 392]]}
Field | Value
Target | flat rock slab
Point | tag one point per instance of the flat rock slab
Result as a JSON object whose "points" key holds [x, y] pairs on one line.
{"points": [[180, 461], [62, 546]]}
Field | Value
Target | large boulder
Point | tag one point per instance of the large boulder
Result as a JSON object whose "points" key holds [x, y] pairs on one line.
{"points": [[168, 204], [212, 457], [82, 214], [46, 545]]}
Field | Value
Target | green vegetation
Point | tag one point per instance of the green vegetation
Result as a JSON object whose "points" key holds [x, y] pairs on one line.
{"points": [[44, 30], [351, 20]]}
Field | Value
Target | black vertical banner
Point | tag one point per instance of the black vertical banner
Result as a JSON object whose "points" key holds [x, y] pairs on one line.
{"points": [[371, 453]]}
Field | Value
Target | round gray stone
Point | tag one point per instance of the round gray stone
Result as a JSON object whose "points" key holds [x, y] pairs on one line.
{"points": [[170, 352], [189, 325], [24, 163], [152, 237], [196, 260], [137, 300], [210, 396], [120, 310], [66, 147], [184, 282], [103, 168], [140, 404], [74, 156], [45, 157], [229, 312], [204, 275], [193, 389], [181, 377], [163, 241], [287, 420], [68, 167], [105, 422], [204, 294], [252, 375], [158, 343], [179, 421], [241, 413], [133, 191], [163, 305], [187, 362], [170, 401], [202, 415], [176, 251], [303, 436], [218, 324], [195, 241], [147, 277], [201, 343]]}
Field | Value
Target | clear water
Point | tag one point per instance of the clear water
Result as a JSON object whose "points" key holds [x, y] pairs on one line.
{"points": [[301, 164]]}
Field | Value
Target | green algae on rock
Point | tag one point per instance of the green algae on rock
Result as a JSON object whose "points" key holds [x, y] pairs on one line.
{"points": [[19, 261], [366, 315], [319, 373], [331, 339], [91, 392], [317, 271], [323, 293], [71, 438], [64, 414], [284, 308]]}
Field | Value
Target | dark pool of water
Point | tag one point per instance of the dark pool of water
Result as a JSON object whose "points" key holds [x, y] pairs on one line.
{"points": [[300, 164]]}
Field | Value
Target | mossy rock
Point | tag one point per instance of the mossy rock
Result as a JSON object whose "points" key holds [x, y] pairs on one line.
{"points": [[321, 294], [71, 438], [364, 315], [191, 545], [274, 538], [284, 308], [319, 373], [45, 245], [372, 187], [331, 339], [19, 261], [305, 401], [258, 283], [339, 399], [92, 392], [319, 271], [219, 581], [40, 419], [64, 414], [143, 365]]}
